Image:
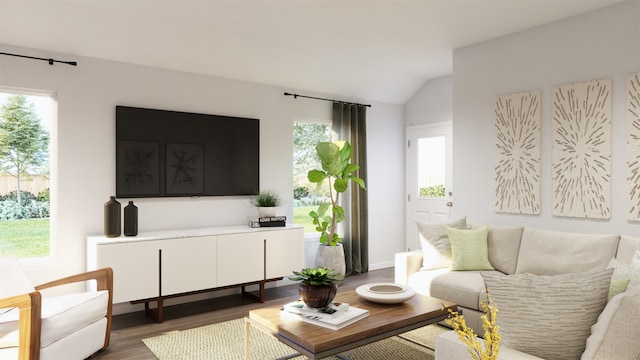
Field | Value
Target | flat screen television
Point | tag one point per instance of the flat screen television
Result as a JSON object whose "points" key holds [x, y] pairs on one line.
{"points": [[161, 153]]}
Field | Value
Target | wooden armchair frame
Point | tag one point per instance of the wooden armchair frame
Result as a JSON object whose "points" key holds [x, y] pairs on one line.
{"points": [[30, 305]]}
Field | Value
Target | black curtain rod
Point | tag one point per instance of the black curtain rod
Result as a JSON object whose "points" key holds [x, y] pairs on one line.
{"points": [[295, 96], [51, 61]]}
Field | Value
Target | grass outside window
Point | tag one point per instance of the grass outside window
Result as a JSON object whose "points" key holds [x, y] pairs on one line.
{"points": [[301, 217], [27, 238]]}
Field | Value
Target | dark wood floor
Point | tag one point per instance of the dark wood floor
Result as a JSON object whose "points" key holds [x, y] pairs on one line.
{"points": [[129, 329]]}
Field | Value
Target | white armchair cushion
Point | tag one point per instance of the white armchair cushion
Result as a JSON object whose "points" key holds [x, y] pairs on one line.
{"points": [[61, 316]]}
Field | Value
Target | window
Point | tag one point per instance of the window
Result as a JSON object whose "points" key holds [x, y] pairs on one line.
{"points": [[431, 166], [25, 124], [306, 197]]}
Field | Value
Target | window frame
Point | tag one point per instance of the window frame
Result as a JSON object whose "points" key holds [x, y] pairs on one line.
{"points": [[33, 262]]}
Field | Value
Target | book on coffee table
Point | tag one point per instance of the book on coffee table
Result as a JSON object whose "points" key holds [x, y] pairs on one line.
{"points": [[346, 317], [332, 310]]}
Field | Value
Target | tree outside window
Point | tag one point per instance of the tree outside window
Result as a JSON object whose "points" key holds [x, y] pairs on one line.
{"points": [[305, 194], [24, 175]]}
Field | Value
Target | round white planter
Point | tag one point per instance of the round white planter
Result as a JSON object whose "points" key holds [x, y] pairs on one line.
{"points": [[267, 211], [332, 257]]}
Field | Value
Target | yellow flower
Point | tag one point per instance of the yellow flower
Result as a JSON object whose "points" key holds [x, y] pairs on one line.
{"points": [[492, 337]]}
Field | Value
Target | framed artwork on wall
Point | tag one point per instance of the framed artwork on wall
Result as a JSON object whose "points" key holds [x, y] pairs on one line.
{"points": [[138, 168], [184, 168], [581, 154], [633, 146], [517, 147]]}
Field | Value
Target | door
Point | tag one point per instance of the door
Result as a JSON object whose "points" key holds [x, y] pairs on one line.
{"points": [[429, 177]]}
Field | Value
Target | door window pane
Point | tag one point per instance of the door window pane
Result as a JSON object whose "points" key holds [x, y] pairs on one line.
{"points": [[431, 166]]}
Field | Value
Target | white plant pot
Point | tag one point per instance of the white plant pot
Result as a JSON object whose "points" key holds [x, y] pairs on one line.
{"points": [[267, 211], [332, 257]]}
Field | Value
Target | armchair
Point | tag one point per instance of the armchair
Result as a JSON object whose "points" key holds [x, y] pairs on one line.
{"points": [[69, 326]]}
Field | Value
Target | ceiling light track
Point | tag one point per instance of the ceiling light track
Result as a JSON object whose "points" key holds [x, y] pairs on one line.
{"points": [[51, 61], [295, 96]]}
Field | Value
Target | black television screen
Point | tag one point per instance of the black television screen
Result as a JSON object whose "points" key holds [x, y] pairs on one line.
{"points": [[162, 153]]}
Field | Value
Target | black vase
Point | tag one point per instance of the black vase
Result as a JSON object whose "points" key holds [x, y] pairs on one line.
{"points": [[112, 227], [130, 220]]}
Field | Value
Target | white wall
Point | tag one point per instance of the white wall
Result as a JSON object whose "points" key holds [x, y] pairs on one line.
{"points": [[596, 45], [85, 176], [433, 103]]}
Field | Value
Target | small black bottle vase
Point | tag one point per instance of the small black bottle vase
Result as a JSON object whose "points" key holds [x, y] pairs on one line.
{"points": [[130, 220], [112, 226]]}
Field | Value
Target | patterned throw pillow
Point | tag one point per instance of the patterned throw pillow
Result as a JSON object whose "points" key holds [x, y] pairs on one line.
{"points": [[548, 316], [435, 244]]}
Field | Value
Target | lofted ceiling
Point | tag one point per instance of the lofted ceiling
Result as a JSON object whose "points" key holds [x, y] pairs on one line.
{"points": [[358, 50]]}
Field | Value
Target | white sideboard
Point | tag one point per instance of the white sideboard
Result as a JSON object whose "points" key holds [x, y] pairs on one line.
{"points": [[153, 266]]}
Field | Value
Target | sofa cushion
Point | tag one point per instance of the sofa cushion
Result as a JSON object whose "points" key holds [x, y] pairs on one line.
{"points": [[435, 244], [504, 244], [61, 316], [460, 287], [548, 316], [469, 249], [627, 247], [545, 252], [616, 334]]}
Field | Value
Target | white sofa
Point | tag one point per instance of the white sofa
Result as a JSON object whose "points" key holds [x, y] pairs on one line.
{"points": [[520, 252]]}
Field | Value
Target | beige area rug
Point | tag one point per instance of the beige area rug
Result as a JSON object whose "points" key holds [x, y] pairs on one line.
{"points": [[226, 341]]}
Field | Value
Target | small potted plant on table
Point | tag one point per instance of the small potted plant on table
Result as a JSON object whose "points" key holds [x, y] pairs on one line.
{"points": [[317, 286], [267, 202]]}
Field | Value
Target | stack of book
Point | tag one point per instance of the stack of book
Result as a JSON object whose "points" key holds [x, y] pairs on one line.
{"points": [[268, 221], [334, 316]]}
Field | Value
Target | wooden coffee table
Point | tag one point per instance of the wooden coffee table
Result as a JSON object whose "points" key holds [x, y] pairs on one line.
{"points": [[316, 342]]}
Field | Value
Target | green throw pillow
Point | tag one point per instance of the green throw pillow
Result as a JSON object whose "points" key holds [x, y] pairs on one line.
{"points": [[618, 286], [469, 249]]}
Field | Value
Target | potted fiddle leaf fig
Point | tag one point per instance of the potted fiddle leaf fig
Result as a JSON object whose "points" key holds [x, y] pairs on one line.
{"points": [[317, 286], [337, 169], [338, 172]]}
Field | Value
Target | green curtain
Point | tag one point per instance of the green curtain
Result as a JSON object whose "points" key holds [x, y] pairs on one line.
{"points": [[349, 122]]}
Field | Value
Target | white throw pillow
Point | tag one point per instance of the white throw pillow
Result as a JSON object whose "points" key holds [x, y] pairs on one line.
{"points": [[635, 271], [548, 316], [435, 244]]}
